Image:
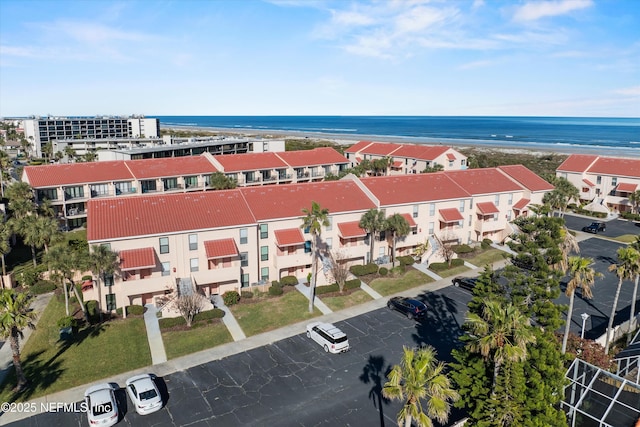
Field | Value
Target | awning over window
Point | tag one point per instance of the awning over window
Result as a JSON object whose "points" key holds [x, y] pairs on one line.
{"points": [[589, 183], [626, 187], [223, 248], [398, 164], [487, 208], [409, 219], [137, 259], [451, 156], [521, 204], [450, 215], [289, 237], [351, 230]]}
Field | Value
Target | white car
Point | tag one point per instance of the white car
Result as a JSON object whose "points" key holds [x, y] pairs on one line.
{"points": [[102, 409], [144, 394], [328, 336]]}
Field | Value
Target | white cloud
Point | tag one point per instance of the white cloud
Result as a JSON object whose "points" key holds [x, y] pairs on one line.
{"points": [[629, 91], [25, 52], [93, 32], [535, 10], [476, 64]]}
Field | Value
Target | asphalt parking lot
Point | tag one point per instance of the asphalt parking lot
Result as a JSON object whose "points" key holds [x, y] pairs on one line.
{"points": [[616, 227], [293, 382]]}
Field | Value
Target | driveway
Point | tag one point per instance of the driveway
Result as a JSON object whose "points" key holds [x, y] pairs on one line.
{"points": [[615, 227]]}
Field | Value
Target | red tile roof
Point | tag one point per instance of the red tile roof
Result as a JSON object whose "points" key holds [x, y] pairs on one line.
{"points": [[526, 178], [409, 219], [626, 187], [616, 167], [577, 163], [487, 208], [223, 248], [288, 200], [289, 237], [380, 148], [250, 161], [419, 151], [521, 204], [317, 156], [400, 189], [450, 215], [398, 164], [135, 259], [76, 173], [165, 213], [589, 183], [483, 181], [358, 146], [350, 230], [451, 156], [170, 167]]}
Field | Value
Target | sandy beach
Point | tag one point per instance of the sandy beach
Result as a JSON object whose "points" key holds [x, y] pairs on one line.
{"points": [[339, 139]]}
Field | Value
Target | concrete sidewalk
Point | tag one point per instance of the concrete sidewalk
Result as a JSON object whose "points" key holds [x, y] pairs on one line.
{"points": [[306, 291], [229, 321], [158, 354]]}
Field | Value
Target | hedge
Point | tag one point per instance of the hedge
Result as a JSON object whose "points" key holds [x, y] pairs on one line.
{"points": [[289, 281], [442, 266], [216, 313], [230, 298], [383, 271], [361, 270], [131, 309], [406, 260], [42, 287], [348, 285], [92, 309], [631, 216], [462, 249], [486, 243], [246, 295], [170, 322], [275, 290], [352, 284]]}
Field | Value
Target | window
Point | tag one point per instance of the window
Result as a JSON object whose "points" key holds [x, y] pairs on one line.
{"points": [[111, 302], [124, 188], [166, 268], [264, 231], [74, 192], [170, 183], [382, 251], [164, 245], [463, 162], [614, 181], [243, 236], [329, 242], [106, 245], [244, 279], [330, 222], [461, 205], [598, 180], [509, 215], [432, 209], [193, 242], [431, 228], [190, 181], [98, 190], [510, 199], [264, 273], [193, 264], [470, 219], [497, 200], [148, 186], [470, 203], [415, 211], [383, 236], [244, 259], [450, 163], [48, 193], [307, 246], [108, 279], [264, 253]]}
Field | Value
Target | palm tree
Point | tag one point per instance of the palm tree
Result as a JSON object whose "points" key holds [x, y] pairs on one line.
{"points": [[314, 219], [103, 263], [568, 244], [420, 376], [20, 197], [582, 276], [634, 272], [623, 269], [28, 229], [48, 231], [66, 261], [634, 199], [15, 316], [500, 334], [5, 248], [372, 222], [399, 227]]}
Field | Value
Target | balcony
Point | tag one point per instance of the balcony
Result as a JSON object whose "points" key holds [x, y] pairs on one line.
{"points": [[76, 213], [176, 187], [285, 177], [292, 260], [217, 275], [489, 225], [96, 195], [133, 287]]}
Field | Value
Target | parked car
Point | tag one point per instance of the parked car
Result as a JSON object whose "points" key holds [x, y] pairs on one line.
{"points": [[331, 338], [412, 308], [595, 227], [102, 409], [467, 283], [144, 394]]}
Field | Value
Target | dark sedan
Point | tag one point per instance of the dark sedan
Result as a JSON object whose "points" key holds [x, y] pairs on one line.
{"points": [[595, 227], [412, 308], [467, 283]]}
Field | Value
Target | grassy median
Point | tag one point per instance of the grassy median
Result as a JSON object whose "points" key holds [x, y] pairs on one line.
{"points": [[392, 285]]}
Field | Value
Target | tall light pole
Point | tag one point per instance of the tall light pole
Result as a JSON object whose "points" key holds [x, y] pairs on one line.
{"points": [[584, 316]]}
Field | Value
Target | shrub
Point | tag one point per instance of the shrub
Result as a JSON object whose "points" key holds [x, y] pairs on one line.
{"points": [[67, 322], [352, 284], [398, 270], [462, 249], [87, 278], [246, 294], [275, 282], [362, 270], [92, 309], [275, 290], [119, 311], [216, 313], [136, 310], [327, 289], [230, 298], [486, 244], [171, 322], [289, 281], [630, 216], [406, 260], [383, 271], [442, 266], [42, 287]]}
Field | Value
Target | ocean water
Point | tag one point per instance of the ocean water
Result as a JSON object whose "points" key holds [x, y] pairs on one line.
{"points": [[608, 136]]}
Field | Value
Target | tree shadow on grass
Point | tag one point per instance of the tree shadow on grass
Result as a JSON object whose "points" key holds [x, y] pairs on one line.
{"points": [[375, 373]]}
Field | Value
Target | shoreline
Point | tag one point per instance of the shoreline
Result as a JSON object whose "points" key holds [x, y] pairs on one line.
{"points": [[348, 140]]}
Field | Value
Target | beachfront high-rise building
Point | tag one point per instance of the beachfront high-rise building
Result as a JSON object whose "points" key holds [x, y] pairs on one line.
{"points": [[41, 130]]}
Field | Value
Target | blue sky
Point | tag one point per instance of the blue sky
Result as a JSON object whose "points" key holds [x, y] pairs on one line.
{"points": [[320, 57]]}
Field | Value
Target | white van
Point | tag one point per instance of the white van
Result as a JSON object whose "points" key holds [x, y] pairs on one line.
{"points": [[328, 336]]}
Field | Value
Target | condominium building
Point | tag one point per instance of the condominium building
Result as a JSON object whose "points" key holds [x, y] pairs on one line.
{"points": [[41, 130], [604, 183], [212, 242]]}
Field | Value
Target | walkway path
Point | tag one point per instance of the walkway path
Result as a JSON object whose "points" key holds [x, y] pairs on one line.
{"points": [[229, 321], [425, 270], [368, 289], [304, 290], [158, 355], [38, 305]]}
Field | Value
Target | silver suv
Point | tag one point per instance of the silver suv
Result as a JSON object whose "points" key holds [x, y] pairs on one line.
{"points": [[328, 336]]}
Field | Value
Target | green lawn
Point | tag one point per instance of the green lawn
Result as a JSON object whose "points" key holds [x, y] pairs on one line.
{"points": [[273, 313], [452, 271], [487, 257], [341, 302], [200, 337], [389, 286], [95, 352], [626, 238]]}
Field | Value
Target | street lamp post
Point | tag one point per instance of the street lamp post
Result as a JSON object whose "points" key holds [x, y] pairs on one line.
{"points": [[584, 316]]}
